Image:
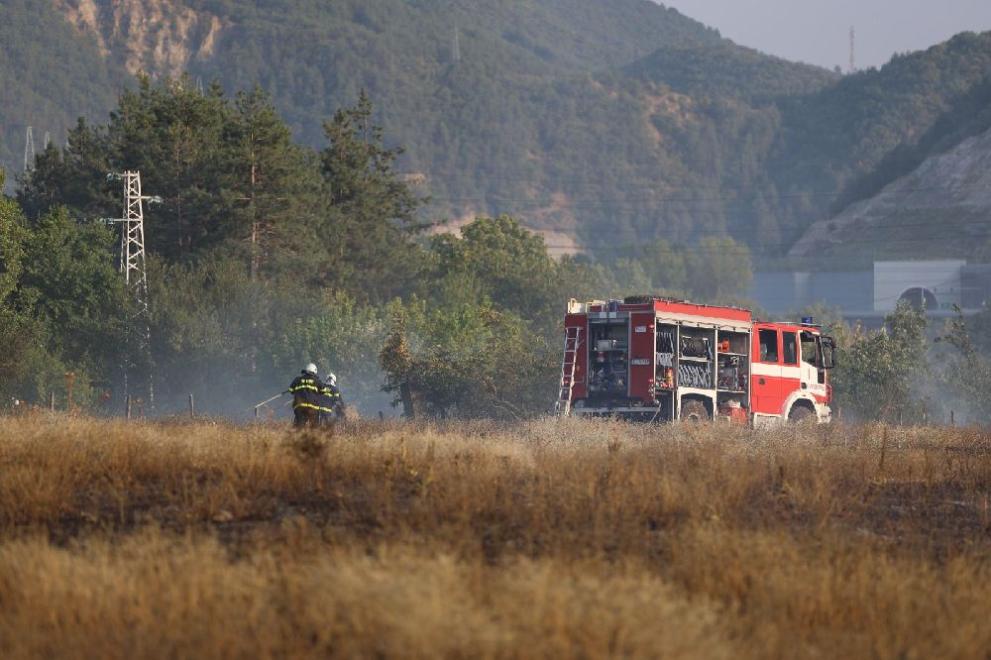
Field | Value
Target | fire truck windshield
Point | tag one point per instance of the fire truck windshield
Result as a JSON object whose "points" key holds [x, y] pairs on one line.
{"points": [[810, 349], [790, 347], [828, 352]]}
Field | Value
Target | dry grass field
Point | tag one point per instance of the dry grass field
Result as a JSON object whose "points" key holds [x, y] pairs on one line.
{"points": [[542, 539]]}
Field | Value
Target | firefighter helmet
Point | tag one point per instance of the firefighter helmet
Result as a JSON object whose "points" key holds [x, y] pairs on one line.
{"points": [[310, 369], [332, 379]]}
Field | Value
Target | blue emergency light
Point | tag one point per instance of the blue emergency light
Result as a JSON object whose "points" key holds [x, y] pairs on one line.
{"points": [[808, 320]]}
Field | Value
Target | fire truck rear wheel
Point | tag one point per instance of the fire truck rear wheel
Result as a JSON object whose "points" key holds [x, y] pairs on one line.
{"points": [[693, 410], [800, 413]]}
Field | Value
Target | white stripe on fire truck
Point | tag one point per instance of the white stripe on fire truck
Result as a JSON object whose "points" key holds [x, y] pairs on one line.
{"points": [[761, 369]]}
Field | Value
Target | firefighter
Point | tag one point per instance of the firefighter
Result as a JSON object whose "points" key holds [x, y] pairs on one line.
{"points": [[305, 390], [331, 404]]}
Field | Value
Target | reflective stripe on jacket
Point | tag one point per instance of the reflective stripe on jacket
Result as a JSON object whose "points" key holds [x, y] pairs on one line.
{"points": [[306, 392], [330, 397]]}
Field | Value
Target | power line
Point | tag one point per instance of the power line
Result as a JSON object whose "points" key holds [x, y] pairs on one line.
{"points": [[880, 226], [633, 245], [739, 248], [630, 201]]}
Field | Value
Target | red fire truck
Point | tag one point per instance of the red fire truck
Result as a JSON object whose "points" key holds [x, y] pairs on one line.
{"points": [[660, 359]]}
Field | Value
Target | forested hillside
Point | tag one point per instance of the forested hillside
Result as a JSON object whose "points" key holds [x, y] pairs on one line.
{"points": [[940, 208], [605, 123], [49, 75], [265, 255], [873, 127], [499, 105]]}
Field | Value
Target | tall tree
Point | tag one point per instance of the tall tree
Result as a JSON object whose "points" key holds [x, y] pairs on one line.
{"points": [[16, 329], [11, 244], [509, 262], [665, 265], [270, 189], [74, 177], [61, 301], [69, 281], [373, 211], [879, 374], [173, 134], [719, 267]]}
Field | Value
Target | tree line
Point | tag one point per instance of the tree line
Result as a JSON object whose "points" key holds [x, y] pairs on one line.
{"points": [[264, 255], [911, 371]]}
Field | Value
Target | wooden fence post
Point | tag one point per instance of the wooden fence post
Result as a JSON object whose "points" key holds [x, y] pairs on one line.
{"points": [[70, 379]]}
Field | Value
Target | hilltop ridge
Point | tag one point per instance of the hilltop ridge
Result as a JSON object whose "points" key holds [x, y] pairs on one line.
{"points": [[584, 119]]}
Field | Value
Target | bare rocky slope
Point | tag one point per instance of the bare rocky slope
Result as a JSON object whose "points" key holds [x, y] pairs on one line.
{"points": [[161, 37], [942, 209]]}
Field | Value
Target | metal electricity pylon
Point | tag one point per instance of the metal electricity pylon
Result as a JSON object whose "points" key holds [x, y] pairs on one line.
{"points": [[29, 149], [132, 267]]}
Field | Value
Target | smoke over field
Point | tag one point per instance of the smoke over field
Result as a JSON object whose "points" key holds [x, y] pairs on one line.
{"points": [[540, 539]]}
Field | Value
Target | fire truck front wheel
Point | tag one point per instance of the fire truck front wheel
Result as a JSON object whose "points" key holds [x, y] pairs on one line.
{"points": [[693, 410]]}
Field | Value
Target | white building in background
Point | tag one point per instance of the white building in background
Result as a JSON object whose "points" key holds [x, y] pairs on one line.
{"points": [[869, 295], [937, 285]]}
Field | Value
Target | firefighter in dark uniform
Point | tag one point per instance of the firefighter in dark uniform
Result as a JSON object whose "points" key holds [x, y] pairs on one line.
{"points": [[305, 390], [331, 404]]}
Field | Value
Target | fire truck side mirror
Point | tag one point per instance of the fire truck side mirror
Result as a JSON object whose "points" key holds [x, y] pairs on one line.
{"points": [[828, 352]]}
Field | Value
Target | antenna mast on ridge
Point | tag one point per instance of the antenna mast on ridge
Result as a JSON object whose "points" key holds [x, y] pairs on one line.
{"points": [[853, 49], [132, 267]]}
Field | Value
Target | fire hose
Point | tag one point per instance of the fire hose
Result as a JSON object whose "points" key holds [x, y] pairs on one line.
{"points": [[267, 401]]}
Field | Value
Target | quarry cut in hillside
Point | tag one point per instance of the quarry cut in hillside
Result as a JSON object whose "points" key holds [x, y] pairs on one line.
{"points": [[939, 209], [159, 37]]}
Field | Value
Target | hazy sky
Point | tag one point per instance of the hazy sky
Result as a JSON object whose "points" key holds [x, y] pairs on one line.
{"points": [[818, 31]]}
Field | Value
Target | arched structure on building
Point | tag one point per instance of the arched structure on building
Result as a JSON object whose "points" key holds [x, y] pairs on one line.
{"points": [[920, 298]]}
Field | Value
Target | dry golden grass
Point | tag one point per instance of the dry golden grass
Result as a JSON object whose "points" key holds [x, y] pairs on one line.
{"points": [[543, 539]]}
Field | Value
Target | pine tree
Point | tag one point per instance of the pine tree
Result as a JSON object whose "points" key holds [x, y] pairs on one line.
{"points": [[373, 211], [270, 189], [173, 135], [396, 361], [74, 177]]}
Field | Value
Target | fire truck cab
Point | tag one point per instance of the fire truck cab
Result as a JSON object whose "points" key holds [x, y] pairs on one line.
{"points": [[660, 359]]}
